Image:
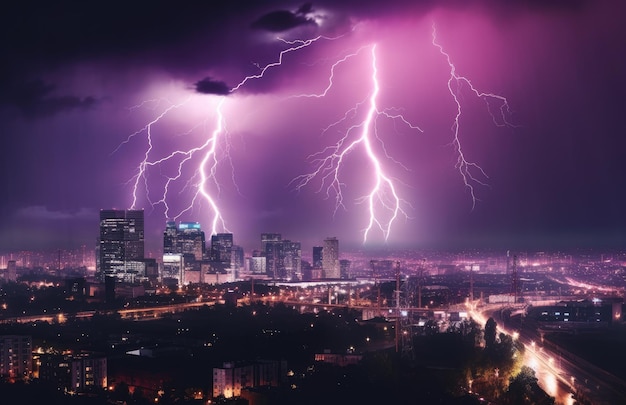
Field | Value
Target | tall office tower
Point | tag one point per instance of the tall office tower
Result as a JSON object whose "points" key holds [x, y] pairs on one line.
{"points": [[257, 263], [12, 270], [121, 244], [191, 240], [272, 246], [184, 249], [170, 238], [330, 258], [187, 239], [344, 268], [237, 257], [16, 356], [268, 238], [173, 269], [275, 259], [292, 261], [222, 250], [317, 257]]}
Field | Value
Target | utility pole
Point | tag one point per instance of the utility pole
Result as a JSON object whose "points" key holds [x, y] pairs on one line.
{"points": [[515, 280], [397, 294], [419, 284]]}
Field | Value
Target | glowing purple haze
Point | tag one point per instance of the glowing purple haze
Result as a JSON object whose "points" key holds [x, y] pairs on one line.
{"points": [[73, 101]]}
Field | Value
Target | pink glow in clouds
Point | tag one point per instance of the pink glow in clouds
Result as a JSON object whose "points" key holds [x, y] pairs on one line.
{"points": [[70, 102], [380, 205]]}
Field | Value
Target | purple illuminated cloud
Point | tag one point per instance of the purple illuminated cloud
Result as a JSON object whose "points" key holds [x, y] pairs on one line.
{"points": [[68, 101]]}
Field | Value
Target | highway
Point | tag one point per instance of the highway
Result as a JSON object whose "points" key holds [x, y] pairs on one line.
{"points": [[561, 373], [128, 313]]}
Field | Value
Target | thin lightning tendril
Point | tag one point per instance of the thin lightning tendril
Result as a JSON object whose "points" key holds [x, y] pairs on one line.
{"points": [[208, 167], [384, 204], [468, 170]]}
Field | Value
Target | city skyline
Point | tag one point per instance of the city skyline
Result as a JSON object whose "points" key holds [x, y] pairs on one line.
{"points": [[554, 178]]}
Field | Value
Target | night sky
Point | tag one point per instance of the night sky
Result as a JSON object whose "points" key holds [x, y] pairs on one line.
{"points": [[81, 82]]}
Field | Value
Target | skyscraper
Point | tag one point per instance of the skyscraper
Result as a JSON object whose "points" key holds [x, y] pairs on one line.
{"points": [[317, 257], [237, 257], [184, 249], [221, 250], [121, 247], [187, 239], [272, 246], [330, 258], [292, 261], [12, 270]]}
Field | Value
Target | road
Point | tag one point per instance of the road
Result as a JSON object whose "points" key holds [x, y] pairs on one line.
{"points": [[560, 373], [133, 313]]}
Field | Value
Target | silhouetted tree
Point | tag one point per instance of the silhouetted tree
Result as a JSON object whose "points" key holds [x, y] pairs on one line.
{"points": [[490, 332]]}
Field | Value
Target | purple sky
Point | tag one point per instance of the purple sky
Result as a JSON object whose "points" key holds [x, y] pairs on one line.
{"points": [[77, 81]]}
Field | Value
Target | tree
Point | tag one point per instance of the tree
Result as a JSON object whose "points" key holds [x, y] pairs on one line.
{"points": [[523, 389], [490, 332]]}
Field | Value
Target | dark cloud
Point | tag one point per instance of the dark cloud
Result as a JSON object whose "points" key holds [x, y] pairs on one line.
{"points": [[210, 86], [283, 20], [37, 98], [40, 212], [306, 8]]}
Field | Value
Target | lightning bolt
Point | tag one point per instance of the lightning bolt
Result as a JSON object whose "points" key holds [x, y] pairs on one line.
{"points": [[471, 173], [384, 204], [207, 169]]}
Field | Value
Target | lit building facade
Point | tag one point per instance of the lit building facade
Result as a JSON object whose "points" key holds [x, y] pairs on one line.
{"points": [[74, 373], [344, 268], [283, 258], [330, 258], [16, 356], [237, 257], [12, 270], [121, 247], [184, 249], [172, 271], [221, 251], [231, 378], [186, 239], [292, 260], [317, 257], [257, 263]]}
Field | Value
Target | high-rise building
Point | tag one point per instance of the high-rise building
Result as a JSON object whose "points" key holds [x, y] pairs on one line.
{"points": [[237, 257], [257, 263], [272, 246], [269, 238], [330, 258], [187, 239], [173, 269], [184, 249], [121, 246], [221, 250], [191, 240], [16, 356], [317, 257], [170, 238], [283, 257], [11, 270], [344, 268], [292, 261]]}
